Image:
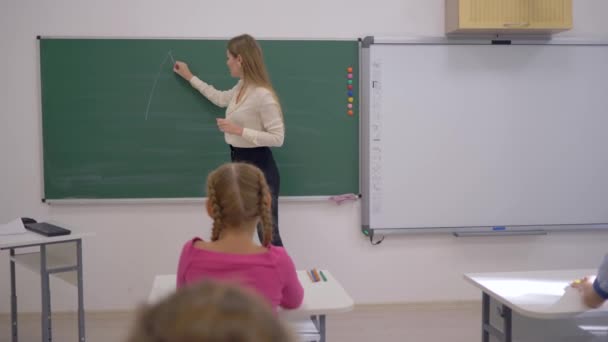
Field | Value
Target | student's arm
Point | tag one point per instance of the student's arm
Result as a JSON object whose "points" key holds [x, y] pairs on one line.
{"points": [[293, 293], [600, 285], [182, 265], [272, 121]]}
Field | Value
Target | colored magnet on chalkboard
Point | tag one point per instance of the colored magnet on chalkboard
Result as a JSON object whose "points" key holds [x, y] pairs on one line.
{"points": [[350, 112], [350, 106], [350, 86], [350, 93], [349, 69], [350, 81], [350, 99], [350, 76]]}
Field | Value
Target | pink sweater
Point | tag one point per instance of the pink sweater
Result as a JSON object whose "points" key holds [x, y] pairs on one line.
{"points": [[272, 274]]}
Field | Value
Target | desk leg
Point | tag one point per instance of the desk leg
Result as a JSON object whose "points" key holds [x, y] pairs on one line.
{"points": [[46, 297], [507, 327], [485, 317], [81, 333], [14, 330], [322, 329], [319, 322]]}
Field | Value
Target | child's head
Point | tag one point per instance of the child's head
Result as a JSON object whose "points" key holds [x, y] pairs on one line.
{"points": [[238, 198], [209, 312]]}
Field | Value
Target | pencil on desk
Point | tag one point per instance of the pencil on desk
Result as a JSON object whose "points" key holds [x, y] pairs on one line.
{"points": [[310, 276], [316, 274], [323, 276]]}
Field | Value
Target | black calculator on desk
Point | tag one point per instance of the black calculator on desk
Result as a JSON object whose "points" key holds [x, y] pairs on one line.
{"points": [[46, 229]]}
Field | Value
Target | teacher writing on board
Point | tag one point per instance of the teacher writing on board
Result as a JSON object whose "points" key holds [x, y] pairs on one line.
{"points": [[254, 120]]}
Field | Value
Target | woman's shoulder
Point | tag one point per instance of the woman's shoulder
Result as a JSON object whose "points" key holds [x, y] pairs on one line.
{"points": [[263, 93]]}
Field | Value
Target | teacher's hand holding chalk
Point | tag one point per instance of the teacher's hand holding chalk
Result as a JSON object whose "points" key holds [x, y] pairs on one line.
{"points": [[182, 69]]}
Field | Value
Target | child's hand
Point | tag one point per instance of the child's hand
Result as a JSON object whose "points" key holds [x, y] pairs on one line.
{"points": [[579, 284], [585, 287]]}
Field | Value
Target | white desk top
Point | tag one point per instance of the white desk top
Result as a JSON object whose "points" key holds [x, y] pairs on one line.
{"points": [[31, 238], [539, 294], [320, 298]]}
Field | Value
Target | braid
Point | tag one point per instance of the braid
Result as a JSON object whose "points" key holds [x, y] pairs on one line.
{"points": [[264, 210], [216, 213]]}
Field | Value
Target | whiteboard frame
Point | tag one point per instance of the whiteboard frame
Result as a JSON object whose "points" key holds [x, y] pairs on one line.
{"points": [[365, 121]]}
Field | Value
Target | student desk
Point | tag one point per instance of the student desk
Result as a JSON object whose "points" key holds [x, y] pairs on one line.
{"points": [[60, 256], [320, 298], [537, 294]]}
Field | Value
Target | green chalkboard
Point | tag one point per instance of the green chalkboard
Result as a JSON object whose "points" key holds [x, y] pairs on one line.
{"points": [[118, 123]]}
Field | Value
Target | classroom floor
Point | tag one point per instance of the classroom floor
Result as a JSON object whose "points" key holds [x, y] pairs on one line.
{"points": [[455, 322]]}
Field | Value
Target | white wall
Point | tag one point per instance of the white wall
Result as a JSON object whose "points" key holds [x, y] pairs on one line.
{"points": [[135, 242]]}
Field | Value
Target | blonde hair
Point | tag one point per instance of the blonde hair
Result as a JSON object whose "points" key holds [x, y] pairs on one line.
{"points": [[209, 312], [254, 69], [237, 194]]}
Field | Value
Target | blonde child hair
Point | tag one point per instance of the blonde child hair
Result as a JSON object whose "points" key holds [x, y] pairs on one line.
{"points": [[238, 194], [209, 312]]}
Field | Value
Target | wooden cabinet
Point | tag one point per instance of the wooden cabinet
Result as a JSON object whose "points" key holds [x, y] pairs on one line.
{"points": [[508, 16]]}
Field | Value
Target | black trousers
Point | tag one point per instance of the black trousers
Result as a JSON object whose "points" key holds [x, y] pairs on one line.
{"points": [[263, 159]]}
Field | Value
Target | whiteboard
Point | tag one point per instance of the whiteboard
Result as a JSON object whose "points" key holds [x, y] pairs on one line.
{"points": [[475, 136]]}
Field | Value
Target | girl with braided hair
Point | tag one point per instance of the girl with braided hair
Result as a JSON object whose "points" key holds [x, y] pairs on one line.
{"points": [[238, 199]]}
